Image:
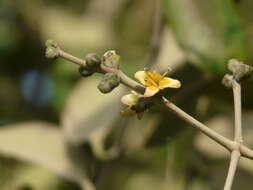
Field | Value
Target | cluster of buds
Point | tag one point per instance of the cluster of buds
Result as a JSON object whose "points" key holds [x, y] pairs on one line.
{"points": [[110, 59], [110, 80], [239, 70], [93, 62], [109, 65]]}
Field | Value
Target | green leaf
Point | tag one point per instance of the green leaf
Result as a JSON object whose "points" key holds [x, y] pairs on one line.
{"points": [[89, 115], [43, 144], [208, 31], [31, 177]]}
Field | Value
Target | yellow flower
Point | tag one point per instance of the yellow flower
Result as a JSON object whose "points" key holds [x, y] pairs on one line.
{"points": [[131, 100], [155, 82]]}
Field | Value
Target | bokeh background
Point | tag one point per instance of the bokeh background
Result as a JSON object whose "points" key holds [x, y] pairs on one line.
{"points": [[58, 132]]}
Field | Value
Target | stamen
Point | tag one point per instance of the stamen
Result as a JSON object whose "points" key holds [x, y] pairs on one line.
{"points": [[165, 74], [151, 78]]}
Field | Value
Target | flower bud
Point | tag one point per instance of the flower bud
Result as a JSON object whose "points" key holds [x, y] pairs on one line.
{"points": [[92, 60], [239, 69], [51, 43], [142, 104], [108, 83], [51, 53], [227, 80], [52, 49], [84, 71], [111, 59]]}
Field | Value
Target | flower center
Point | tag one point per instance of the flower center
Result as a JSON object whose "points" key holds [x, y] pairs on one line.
{"points": [[149, 79]]}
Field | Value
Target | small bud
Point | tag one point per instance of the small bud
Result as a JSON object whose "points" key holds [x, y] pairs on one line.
{"points": [[93, 60], [51, 52], [52, 49], [51, 43], [142, 105], [108, 83], [84, 72], [239, 69], [111, 59], [227, 80]]}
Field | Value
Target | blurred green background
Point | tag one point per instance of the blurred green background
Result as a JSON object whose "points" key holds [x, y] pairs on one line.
{"points": [[58, 132]]}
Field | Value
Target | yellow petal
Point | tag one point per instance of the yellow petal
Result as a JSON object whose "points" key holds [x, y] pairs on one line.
{"points": [[141, 76], [167, 82], [156, 77], [151, 91], [129, 99]]}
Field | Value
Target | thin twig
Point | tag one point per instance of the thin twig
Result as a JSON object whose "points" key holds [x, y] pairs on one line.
{"points": [[228, 144], [235, 156], [71, 58], [238, 112]]}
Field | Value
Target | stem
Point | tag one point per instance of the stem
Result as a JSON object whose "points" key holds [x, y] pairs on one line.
{"points": [[228, 144], [238, 112], [124, 79], [235, 156], [71, 58]]}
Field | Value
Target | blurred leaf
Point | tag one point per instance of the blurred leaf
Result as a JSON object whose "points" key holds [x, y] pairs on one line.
{"points": [[224, 126], [43, 144], [199, 184], [74, 31], [147, 181], [89, 115], [245, 8], [132, 140], [208, 31], [32, 177], [169, 44]]}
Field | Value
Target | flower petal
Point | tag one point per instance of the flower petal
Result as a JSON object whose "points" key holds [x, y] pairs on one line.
{"points": [[141, 76], [156, 77], [129, 99], [167, 82], [151, 91]]}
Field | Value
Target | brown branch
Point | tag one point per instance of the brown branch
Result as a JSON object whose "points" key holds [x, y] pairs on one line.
{"points": [[239, 71], [235, 156], [226, 143], [238, 112], [124, 79]]}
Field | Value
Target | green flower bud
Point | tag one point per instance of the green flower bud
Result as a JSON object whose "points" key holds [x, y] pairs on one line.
{"points": [[227, 80], [111, 59], [239, 69], [51, 52], [52, 49], [108, 83], [93, 60], [84, 71], [51, 43], [142, 105]]}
